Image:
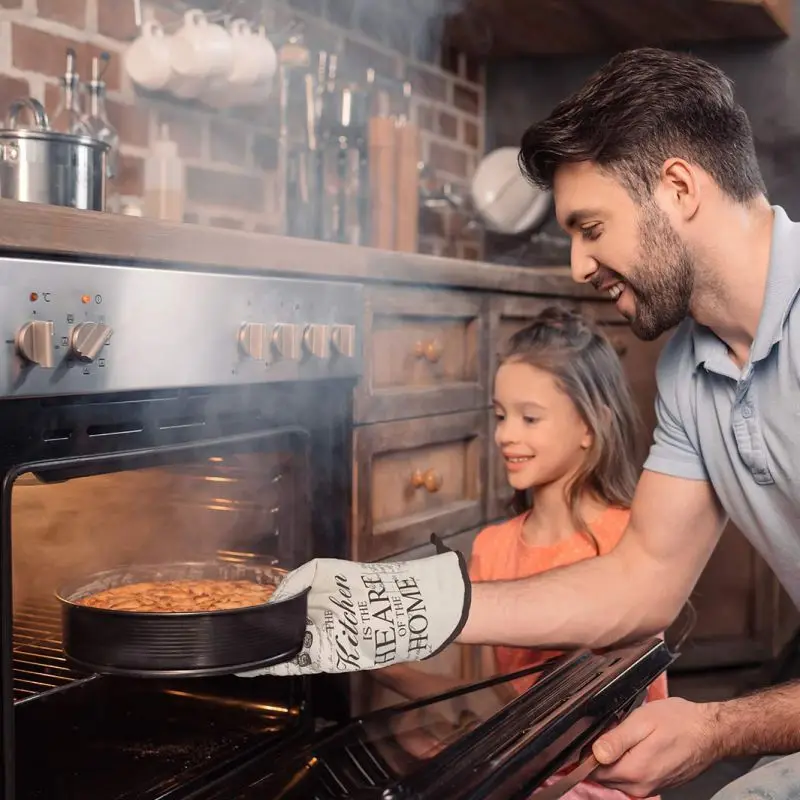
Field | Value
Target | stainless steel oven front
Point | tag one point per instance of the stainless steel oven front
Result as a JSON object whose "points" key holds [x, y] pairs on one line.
{"points": [[152, 415]]}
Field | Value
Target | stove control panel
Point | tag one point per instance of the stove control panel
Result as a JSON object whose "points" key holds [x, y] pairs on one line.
{"points": [[74, 328]]}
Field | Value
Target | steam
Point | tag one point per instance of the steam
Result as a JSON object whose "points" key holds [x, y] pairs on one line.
{"points": [[64, 532]]}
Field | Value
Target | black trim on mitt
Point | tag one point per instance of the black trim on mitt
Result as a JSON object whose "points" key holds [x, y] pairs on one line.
{"points": [[441, 549]]}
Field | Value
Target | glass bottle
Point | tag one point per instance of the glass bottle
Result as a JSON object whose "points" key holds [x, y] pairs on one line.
{"points": [[96, 124], [68, 118]]}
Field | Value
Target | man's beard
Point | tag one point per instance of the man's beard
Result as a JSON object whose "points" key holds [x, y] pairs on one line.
{"points": [[663, 279]]}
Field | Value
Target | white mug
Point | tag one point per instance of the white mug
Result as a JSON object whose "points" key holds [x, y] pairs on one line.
{"points": [[267, 57], [250, 80], [148, 59], [201, 49], [245, 68]]}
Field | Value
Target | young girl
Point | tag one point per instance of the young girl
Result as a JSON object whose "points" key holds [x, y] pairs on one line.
{"points": [[565, 426]]}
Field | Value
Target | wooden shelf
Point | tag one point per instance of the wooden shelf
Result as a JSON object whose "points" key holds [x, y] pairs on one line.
{"points": [[509, 28]]}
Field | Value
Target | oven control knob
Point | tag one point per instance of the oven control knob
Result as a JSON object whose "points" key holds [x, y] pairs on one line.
{"points": [[343, 338], [317, 340], [88, 339], [286, 340], [254, 340], [35, 343]]}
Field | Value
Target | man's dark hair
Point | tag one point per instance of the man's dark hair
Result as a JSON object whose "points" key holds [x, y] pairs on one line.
{"points": [[643, 107]]}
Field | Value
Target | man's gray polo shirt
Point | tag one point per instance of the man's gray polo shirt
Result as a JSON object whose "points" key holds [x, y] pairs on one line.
{"points": [[740, 429]]}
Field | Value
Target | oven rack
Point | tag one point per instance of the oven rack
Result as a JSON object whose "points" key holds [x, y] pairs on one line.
{"points": [[38, 660]]}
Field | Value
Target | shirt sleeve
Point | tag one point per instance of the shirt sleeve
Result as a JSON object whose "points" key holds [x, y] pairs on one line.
{"points": [[674, 451]]}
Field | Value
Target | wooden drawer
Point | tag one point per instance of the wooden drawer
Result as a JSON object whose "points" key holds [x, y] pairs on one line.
{"points": [[417, 477], [424, 353]]}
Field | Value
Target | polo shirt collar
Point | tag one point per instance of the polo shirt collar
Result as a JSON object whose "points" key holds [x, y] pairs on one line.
{"points": [[783, 283]]}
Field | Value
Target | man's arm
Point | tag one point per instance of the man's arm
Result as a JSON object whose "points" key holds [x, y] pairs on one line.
{"points": [[763, 723], [636, 590], [669, 742]]}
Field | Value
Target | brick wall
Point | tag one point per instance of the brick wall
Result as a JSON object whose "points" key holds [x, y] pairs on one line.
{"points": [[231, 156]]}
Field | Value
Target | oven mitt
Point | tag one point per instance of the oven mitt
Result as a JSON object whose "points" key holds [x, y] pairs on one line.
{"points": [[369, 616]]}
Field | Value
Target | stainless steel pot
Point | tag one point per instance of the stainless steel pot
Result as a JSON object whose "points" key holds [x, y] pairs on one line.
{"points": [[38, 165]]}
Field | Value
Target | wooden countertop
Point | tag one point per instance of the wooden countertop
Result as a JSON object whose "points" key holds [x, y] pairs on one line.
{"points": [[48, 231]]}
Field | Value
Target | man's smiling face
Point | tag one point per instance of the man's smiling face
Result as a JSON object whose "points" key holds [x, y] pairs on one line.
{"points": [[625, 248]]}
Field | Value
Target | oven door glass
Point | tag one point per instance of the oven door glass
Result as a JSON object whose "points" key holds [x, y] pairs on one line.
{"points": [[241, 499], [482, 742]]}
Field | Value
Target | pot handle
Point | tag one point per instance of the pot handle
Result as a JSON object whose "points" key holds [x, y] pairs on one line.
{"points": [[35, 107]]}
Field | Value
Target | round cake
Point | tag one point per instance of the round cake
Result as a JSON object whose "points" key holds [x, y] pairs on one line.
{"points": [[181, 596]]}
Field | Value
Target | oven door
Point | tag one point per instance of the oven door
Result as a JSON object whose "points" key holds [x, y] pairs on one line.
{"points": [[482, 742], [257, 476]]}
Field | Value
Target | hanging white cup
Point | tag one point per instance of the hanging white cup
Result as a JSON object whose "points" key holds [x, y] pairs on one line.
{"points": [[148, 59]]}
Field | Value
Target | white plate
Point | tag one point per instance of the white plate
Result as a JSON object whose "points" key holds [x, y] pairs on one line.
{"points": [[505, 200]]}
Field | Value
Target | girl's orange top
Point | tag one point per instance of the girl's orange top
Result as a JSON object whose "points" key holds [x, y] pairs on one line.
{"points": [[500, 553]]}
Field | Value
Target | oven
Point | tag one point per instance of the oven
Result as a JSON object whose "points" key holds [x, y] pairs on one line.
{"points": [[156, 415], [148, 416]]}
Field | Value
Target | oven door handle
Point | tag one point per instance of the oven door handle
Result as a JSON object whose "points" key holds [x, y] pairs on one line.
{"points": [[586, 767], [569, 781]]}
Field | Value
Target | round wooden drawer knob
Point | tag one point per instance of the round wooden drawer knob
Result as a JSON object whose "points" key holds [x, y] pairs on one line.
{"points": [[620, 345], [430, 479], [432, 351]]}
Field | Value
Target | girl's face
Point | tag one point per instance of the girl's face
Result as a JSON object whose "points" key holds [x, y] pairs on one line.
{"points": [[542, 437]]}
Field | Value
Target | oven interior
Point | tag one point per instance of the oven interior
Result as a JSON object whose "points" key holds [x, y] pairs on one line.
{"points": [[244, 476]]}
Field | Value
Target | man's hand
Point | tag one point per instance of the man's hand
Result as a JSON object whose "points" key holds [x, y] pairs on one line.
{"points": [[663, 743], [368, 616]]}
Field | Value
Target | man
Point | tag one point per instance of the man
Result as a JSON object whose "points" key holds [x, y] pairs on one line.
{"points": [[655, 180]]}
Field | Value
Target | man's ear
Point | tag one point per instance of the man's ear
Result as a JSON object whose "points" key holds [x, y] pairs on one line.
{"points": [[679, 188]]}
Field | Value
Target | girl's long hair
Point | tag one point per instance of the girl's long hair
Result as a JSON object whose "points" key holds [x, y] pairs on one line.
{"points": [[587, 369]]}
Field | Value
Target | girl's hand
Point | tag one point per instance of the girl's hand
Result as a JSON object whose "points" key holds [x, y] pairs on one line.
{"points": [[661, 744]]}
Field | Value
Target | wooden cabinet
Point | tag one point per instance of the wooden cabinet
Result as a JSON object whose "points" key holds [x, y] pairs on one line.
{"points": [[417, 477], [424, 353], [425, 460], [743, 616], [514, 28]]}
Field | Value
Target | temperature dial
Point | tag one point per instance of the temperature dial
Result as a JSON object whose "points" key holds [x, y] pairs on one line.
{"points": [[88, 339], [317, 340], [254, 340], [35, 343], [343, 338], [286, 339], [262, 342]]}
